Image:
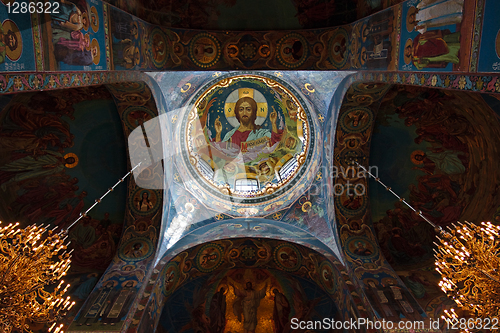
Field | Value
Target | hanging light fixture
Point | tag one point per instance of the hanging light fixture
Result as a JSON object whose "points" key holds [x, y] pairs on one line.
{"points": [[32, 261], [468, 259]]}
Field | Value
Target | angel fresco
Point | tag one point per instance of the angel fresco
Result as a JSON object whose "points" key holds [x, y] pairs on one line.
{"points": [[28, 167]]}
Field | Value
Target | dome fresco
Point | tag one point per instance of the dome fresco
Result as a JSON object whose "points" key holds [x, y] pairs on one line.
{"points": [[247, 140]]}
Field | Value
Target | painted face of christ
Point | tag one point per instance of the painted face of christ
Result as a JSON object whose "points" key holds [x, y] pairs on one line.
{"points": [[246, 111]]}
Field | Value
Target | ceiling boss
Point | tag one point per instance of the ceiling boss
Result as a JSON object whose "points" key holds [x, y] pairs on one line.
{"points": [[247, 136]]}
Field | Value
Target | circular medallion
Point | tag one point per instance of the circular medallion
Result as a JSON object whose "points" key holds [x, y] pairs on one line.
{"points": [[356, 120], [13, 40], [327, 277], [408, 51], [204, 50], [287, 257], [369, 87], [85, 20], [347, 157], [246, 140], [96, 51], [361, 248], [130, 87], [292, 50], [170, 278], [94, 19], [338, 51], [362, 100], [71, 160], [134, 116], [144, 202], [209, 257], [136, 249], [497, 44], [159, 48], [411, 20], [350, 199]]}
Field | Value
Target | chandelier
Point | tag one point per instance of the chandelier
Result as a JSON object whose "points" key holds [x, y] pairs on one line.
{"points": [[28, 262], [468, 260], [32, 261]]}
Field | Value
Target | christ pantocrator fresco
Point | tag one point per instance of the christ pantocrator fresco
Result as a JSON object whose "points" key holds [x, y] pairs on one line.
{"points": [[248, 137]]}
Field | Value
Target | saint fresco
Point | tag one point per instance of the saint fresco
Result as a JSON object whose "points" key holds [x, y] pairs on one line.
{"points": [[248, 137]]}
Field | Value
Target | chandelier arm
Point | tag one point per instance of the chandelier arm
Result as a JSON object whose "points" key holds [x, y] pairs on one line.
{"points": [[418, 212], [488, 275], [10, 266], [100, 199], [467, 260]]}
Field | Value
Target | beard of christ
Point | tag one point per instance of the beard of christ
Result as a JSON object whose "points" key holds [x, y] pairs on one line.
{"points": [[252, 118]]}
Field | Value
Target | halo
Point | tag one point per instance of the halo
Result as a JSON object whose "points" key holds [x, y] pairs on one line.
{"points": [[93, 13], [134, 24], [368, 280], [115, 283], [415, 153], [410, 26], [97, 57], [86, 16], [409, 42], [72, 165], [497, 44], [189, 207], [16, 54], [363, 37], [363, 52], [233, 97], [386, 280], [306, 206], [133, 267], [142, 192], [87, 47], [125, 282]]}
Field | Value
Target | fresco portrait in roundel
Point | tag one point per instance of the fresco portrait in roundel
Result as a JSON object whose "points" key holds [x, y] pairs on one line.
{"points": [[247, 137]]}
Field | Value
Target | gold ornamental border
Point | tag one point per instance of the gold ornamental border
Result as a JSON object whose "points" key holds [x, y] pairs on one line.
{"points": [[301, 120]]}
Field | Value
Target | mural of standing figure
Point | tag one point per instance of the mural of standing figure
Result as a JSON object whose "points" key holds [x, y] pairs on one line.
{"points": [[119, 305], [432, 13], [281, 312], [218, 312], [434, 49], [94, 308], [246, 304]]}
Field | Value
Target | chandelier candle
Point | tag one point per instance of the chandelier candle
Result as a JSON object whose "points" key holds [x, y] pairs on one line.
{"points": [[467, 257], [32, 259]]}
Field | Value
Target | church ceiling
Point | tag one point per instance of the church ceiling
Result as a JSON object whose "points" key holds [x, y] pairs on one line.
{"points": [[439, 150], [255, 15], [270, 179], [59, 151], [310, 283]]}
